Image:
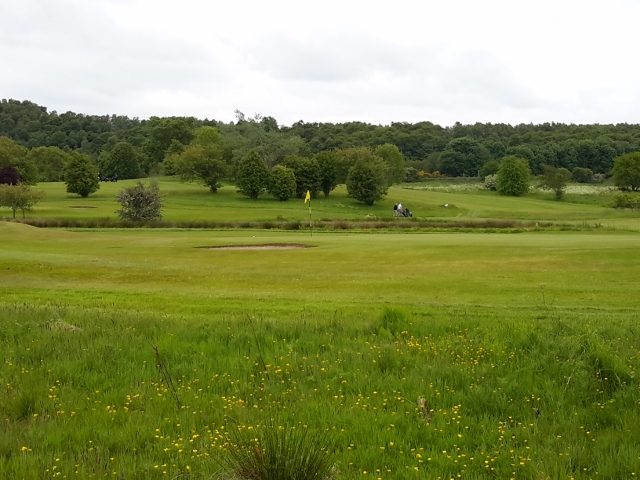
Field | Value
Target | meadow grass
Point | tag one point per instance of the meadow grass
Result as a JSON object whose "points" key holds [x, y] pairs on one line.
{"points": [[136, 354]]}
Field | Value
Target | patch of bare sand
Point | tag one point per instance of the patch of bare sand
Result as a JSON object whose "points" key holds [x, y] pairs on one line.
{"points": [[265, 246]]}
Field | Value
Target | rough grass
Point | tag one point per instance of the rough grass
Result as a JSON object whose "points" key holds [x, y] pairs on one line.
{"points": [[524, 346]]}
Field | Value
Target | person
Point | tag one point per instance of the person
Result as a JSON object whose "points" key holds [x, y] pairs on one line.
{"points": [[400, 208]]}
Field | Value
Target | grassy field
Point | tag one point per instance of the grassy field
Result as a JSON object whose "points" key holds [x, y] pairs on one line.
{"points": [[191, 202], [525, 346]]}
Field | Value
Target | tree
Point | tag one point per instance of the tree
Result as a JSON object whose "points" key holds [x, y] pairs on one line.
{"points": [[367, 180], [394, 160], [411, 175], [489, 168], [122, 161], [582, 175], [9, 175], [328, 165], [81, 175], [626, 171], [555, 179], [513, 176], [161, 132], [205, 159], [463, 157], [252, 175], [262, 135], [50, 162], [282, 183], [16, 156], [307, 174], [19, 197], [140, 202]]}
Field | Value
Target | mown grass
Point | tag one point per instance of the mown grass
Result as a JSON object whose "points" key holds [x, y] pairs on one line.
{"points": [[194, 203], [525, 347]]}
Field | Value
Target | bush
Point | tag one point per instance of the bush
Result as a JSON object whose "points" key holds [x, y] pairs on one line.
{"points": [[490, 182], [140, 203], [582, 175], [282, 183], [627, 200], [513, 176], [411, 175]]}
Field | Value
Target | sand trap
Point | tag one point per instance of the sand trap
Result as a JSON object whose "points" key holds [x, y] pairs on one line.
{"points": [[265, 246]]}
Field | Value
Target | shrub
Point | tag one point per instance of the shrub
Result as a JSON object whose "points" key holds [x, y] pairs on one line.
{"points": [[411, 175], [627, 200], [582, 175], [513, 176], [140, 202], [490, 182]]}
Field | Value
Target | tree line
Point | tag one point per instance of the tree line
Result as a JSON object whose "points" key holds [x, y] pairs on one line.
{"points": [[41, 145]]}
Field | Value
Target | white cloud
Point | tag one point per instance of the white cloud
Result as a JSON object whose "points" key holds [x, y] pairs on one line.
{"points": [[467, 61]]}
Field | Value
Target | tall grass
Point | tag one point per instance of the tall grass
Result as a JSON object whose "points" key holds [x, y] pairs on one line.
{"points": [[441, 355]]}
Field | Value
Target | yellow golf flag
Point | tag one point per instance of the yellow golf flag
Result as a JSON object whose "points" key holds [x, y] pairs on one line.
{"points": [[307, 196]]}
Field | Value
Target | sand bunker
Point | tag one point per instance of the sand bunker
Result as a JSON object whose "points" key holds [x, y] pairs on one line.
{"points": [[264, 246]]}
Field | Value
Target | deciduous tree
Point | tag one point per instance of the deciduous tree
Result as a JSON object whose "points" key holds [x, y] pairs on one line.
{"points": [[626, 171], [513, 176], [367, 180], [205, 159], [555, 179], [19, 197], [394, 161], [122, 161]]}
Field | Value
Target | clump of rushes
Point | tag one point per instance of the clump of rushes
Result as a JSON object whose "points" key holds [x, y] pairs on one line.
{"points": [[278, 452]]}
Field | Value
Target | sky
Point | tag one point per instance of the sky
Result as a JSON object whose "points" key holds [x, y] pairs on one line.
{"points": [[468, 61]]}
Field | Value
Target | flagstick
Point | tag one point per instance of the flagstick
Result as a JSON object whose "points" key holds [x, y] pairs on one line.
{"points": [[310, 224]]}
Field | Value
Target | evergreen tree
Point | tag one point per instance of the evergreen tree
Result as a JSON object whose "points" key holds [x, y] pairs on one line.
{"points": [[81, 175], [252, 175], [282, 183]]}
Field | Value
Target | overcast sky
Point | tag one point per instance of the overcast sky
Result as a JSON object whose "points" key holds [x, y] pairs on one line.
{"points": [[499, 61]]}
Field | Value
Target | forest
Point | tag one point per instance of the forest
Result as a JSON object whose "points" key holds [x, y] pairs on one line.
{"points": [[132, 147]]}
